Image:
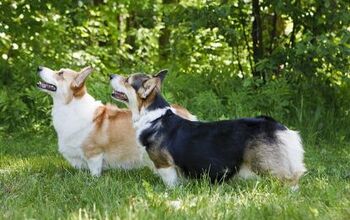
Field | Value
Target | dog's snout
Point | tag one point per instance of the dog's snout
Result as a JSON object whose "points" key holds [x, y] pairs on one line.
{"points": [[40, 68], [111, 76]]}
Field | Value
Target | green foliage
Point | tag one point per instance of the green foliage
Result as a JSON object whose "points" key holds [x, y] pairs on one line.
{"points": [[301, 78]]}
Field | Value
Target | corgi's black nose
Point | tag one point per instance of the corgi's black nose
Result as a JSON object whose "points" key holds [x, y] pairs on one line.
{"points": [[40, 68], [111, 76]]}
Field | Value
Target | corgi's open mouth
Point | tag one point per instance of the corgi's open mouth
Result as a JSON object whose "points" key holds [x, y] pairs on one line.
{"points": [[119, 96], [46, 86]]}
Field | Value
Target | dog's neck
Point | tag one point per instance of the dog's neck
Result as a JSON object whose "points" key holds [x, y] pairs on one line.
{"points": [[158, 103], [149, 116], [145, 119], [153, 109], [76, 116], [86, 101]]}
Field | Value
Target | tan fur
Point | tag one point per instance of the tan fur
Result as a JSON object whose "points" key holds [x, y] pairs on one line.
{"points": [[160, 157], [151, 87], [182, 112], [91, 135], [144, 103], [283, 159], [114, 135], [79, 91], [68, 76], [263, 157]]}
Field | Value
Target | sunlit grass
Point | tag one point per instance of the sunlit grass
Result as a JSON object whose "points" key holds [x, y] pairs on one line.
{"points": [[37, 183]]}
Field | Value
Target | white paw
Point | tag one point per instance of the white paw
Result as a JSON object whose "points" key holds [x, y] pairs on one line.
{"points": [[169, 176], [95, 173], [95, 165]]}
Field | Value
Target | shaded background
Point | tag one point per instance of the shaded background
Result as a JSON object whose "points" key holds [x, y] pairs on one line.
{"points": [[227, 59]]}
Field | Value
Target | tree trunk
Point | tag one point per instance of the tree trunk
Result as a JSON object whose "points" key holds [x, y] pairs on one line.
{"points": [[295, 27], [97, 2], [273, 31], [164, 37], [246, 40], [257, 37], [130, 27], [236, 53], [121, 29]]}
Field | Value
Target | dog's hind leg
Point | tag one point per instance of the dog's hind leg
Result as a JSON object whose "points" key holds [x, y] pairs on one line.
{"points": [[95, 164], [245, 172], [283, 157], [294, 153], [287, 162]]}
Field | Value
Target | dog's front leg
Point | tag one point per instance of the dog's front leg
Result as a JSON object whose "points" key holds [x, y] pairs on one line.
{"points": [[95, 164], [168, 175], [164, 164]]}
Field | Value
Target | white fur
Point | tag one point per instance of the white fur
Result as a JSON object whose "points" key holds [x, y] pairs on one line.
{"points": [[73, 123], [145, 118], [142, 119], [95, 165], [283, 159], [48, 76], [169, 176], [117, 85], [246, 173], [292, 148]]}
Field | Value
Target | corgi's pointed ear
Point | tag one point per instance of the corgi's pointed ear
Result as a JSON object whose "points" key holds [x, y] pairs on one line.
{"points": [[161, 74], [83, 74], [148, 86]]}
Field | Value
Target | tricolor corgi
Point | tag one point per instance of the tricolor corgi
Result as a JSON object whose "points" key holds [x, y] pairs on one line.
{"points": [[218, 149], [91, 135]]}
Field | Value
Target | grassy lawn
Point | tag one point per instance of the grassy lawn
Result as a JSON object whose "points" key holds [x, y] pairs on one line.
{"points": [[36, 183]]}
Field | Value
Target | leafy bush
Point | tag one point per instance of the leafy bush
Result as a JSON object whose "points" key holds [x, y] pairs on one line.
{"points": [[299, 74]]}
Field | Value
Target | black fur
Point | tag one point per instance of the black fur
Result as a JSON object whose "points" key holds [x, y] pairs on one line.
{"points": [[212, 148], [138, 80], [158, 102]]}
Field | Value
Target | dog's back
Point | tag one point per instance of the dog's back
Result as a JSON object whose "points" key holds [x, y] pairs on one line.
{"points": [[219, 149], [114, 136]]}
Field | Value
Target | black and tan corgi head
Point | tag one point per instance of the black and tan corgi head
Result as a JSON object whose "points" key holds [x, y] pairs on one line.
{"points": [[64, 84], [139, 91]]}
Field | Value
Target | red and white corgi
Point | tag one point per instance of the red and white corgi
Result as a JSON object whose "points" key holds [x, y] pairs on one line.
{"points": [[91, 135]]}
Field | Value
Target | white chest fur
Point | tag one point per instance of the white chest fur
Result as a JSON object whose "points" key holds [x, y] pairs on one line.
{"points": [[145, 118], [73, 122]]}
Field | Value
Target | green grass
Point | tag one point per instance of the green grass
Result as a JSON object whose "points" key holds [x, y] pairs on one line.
{"points": [[36, 183]]}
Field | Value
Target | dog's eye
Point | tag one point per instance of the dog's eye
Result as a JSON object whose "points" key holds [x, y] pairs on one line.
{"points": [[60, 73], [127, 80]]}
